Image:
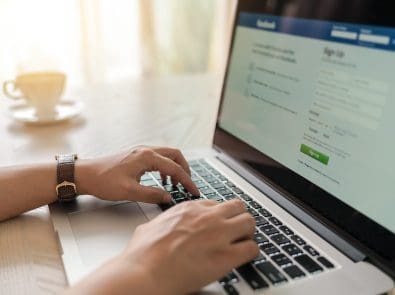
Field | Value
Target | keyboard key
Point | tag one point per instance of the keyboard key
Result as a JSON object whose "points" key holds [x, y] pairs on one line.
{"points": [[238, 191], [252, 212], [230, 197], [260, 238], [230, 184], [213, 181], [214, 197], [245, 197], [286, 230], [269, 248], [254, 205], [218, 186], [271, 272], [260, 257], [275, 221], [250, 275], [211, 169], [292, 249], [264, 212], [268, 229], [157, 176], [221, 177], [325, 262], [308, 264], [201, 185], [230, 289], [280, 239], [197, 170], [196, 179], [204, 173], [177, 195], [294, 271], [207, 191], [169, 188], [210, 178], [260, 220], [225, 192], [230, 278], [298, 240], [311, 250], [181, 188], [281, 259], [145, 177], [149, 182], [192, 197]]}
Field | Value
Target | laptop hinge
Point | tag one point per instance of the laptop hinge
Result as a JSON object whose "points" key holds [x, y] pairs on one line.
{"points": [[313, 223]]}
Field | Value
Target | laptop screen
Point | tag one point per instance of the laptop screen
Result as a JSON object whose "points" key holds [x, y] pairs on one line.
{"points": [[318, 97]]}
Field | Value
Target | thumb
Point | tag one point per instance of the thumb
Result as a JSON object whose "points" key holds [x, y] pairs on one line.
{"points": [[153, 195]]}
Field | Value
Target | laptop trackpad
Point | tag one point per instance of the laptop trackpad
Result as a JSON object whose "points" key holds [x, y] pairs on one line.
{"points": [[105, 232]]}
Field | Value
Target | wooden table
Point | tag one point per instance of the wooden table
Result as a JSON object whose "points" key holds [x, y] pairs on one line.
{"points": [[177, 111]]}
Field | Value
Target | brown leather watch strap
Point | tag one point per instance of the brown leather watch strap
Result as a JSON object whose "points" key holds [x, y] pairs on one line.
{"points": [[66, 189]]}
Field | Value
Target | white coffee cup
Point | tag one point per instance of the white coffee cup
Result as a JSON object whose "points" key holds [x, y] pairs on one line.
{"points": [[41, 90]]}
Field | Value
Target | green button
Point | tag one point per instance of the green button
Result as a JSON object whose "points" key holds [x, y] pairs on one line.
{"points": [[324, 159]]}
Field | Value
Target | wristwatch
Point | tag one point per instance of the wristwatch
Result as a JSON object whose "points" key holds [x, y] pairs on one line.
{"points": [[66, 190]]}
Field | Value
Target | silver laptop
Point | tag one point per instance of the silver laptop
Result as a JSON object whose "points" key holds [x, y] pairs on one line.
{"points": [[304, 137]]}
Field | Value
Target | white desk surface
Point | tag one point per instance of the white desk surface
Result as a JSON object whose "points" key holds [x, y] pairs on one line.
{"points": [[177, 111]]}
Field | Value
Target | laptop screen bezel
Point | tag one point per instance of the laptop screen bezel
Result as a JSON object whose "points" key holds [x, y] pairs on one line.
{"points": [[373, 239]]}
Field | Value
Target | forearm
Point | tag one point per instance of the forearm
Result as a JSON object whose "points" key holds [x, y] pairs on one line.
{"points": [[118, 276], [23, 188]]}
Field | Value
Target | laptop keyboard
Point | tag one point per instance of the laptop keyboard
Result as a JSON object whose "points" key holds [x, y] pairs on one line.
{"points": [[284, 255]]}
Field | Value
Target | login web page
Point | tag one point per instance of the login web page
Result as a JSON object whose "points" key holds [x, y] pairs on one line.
{"points": [[319, 98]]}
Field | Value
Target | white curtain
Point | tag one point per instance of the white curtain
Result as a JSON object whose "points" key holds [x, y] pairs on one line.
{"points": [[185, 35], [108, 40]]}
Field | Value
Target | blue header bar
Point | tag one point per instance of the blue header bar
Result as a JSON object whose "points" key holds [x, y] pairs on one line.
{"points": [[352, 34]]}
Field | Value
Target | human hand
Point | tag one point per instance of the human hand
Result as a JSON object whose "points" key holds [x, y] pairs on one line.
{"points": [[191, 245], [117, 177]]}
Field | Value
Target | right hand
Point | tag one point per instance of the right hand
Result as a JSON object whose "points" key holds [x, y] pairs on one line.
{"points": [[192, 245]]}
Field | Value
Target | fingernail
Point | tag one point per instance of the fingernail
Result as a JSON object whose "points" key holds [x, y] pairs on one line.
{"points": [[167, 198]]}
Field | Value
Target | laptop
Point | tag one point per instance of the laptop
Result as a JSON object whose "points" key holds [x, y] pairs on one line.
{"points": [[304, 137]]}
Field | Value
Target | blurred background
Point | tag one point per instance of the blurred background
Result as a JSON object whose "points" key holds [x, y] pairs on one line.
{"points": [[95, 41]]}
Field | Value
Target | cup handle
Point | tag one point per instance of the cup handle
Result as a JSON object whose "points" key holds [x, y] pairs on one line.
{"points": [[7, 93]]}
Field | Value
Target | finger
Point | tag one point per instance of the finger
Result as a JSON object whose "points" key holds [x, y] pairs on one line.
{"points": [[166, 166], [151, 195], [174, 155], [240, 227], [164, 178], [231, 208], [201, 203], [207, 203], [242, 252]]}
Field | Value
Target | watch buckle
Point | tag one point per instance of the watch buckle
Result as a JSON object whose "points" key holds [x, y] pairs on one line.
{"points": [[65, 184]]}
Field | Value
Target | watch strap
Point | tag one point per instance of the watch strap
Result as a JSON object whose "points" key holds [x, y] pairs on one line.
{"points": [[66, 189]]}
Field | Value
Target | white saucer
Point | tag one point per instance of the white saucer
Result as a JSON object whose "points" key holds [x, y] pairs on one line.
{"points": [[65, 110]]}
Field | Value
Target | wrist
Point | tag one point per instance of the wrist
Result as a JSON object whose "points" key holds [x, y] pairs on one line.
{"points": [[143, 277], [138, 278], [83, 175], [118, 276]]}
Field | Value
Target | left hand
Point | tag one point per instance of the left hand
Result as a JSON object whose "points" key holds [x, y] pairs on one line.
{"points": [[117, 177]]}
